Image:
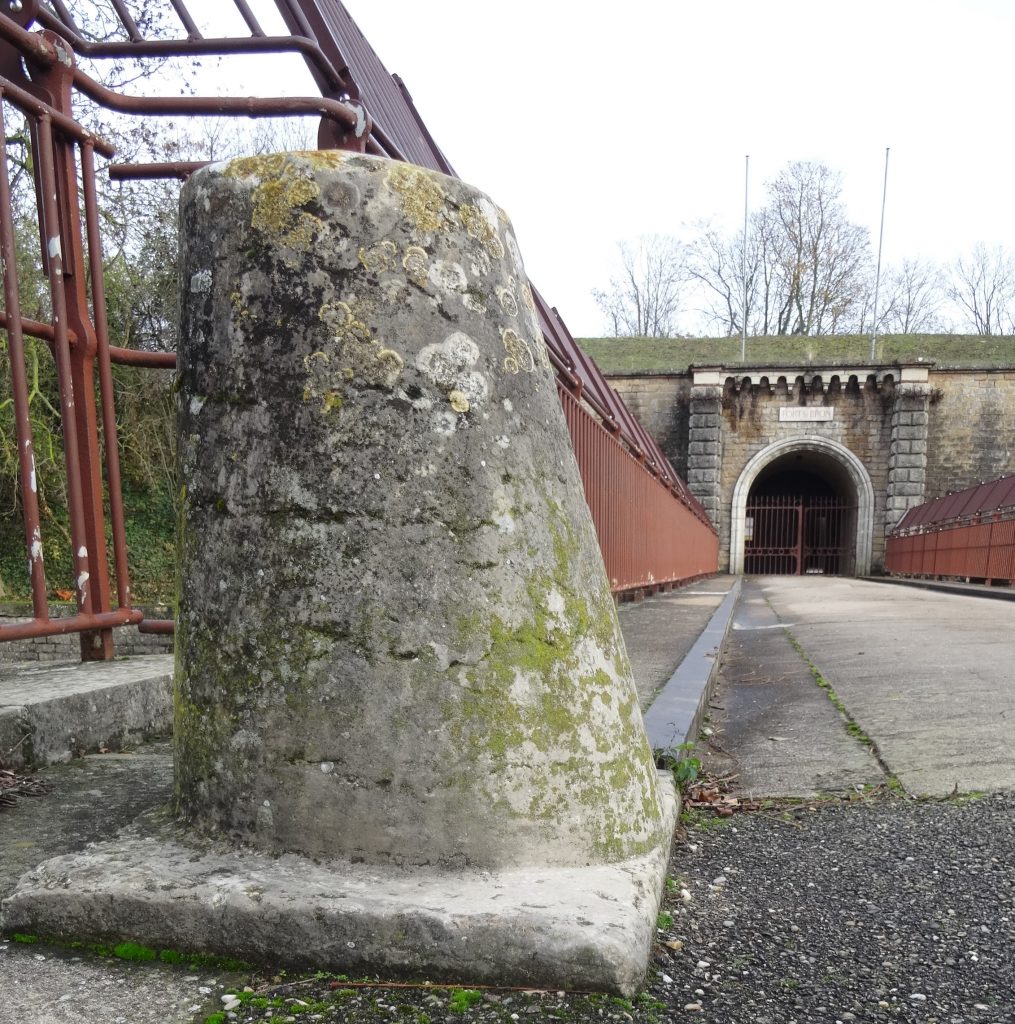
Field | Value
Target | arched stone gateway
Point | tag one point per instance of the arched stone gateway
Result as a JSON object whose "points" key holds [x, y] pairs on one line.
{"points": [[785, 467], [830, 457]]}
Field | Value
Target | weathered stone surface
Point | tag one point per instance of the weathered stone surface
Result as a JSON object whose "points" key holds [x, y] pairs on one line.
{"points": [[396, 641], [584, 927], [51, 712]]}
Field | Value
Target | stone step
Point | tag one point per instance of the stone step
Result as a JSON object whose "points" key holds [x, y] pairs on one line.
{"points": [[53, 712]]}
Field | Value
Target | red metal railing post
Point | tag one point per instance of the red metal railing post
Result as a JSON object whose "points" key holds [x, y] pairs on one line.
{"points": [[19, 388], [60, 223]]}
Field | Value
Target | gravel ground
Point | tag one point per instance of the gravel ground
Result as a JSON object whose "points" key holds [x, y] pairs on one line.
{"points": [[887, 910]]}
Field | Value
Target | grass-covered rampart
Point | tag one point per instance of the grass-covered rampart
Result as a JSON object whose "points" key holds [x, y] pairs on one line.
{"points": [[675, 355]]}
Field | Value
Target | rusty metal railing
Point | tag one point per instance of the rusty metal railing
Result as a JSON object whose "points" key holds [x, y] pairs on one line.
{"points": [[968, 535], [649, 541], [38, 79], [361, 107]]}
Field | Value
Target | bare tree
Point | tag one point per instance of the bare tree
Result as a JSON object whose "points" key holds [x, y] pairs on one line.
{"points": [[911, 298], [807, 266], [716, 262], [982, 286], [821, 257], [643, 300]]}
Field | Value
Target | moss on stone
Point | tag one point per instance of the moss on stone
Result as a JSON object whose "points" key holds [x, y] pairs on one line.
{"points": [[536, 690]]}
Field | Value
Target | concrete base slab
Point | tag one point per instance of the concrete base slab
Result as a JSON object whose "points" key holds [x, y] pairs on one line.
{"points": [[51, 712], [91, 798], [586, 928]]}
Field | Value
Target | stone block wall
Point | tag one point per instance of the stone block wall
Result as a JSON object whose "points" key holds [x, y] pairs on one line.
{"points": [[66, 647], [920, 432], [971, 428], [662, 404]]}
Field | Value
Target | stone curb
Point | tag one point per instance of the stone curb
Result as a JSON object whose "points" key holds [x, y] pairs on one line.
{"points": [[675, 715], [945, 587]]}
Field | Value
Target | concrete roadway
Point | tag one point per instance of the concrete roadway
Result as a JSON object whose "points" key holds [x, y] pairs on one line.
{"points": [[928, 676]]}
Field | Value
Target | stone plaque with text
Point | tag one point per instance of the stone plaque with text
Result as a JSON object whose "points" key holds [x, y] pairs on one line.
{"points": [[805, 413]]}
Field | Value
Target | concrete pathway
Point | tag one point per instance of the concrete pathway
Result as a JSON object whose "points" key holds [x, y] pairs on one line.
{"points": [[926, 676]]}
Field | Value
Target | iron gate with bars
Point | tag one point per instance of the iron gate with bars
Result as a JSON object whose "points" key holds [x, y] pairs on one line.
{"points": [[791, 536]]}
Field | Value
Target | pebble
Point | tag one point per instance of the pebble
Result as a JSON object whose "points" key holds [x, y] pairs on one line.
{"points": [[692, 1007], [918, 997]]}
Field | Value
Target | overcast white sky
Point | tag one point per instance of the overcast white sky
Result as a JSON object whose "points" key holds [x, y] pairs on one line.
{"points": [[591, 123]]}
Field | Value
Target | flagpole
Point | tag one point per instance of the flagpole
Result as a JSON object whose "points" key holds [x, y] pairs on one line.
{"points": [[743, 266], [877, 279]]}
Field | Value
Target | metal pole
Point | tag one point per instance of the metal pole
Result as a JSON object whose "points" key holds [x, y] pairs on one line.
{"points": [[743, 266], [877, 279]]}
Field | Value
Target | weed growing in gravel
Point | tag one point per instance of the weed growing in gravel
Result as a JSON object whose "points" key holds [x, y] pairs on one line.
{"points": [[961, 799], [664, 921], [693, 817], [462, 998], [646, 1001]]}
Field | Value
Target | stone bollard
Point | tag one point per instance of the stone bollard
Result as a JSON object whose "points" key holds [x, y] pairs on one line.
{"points": [[397, 651], [396, 638]]}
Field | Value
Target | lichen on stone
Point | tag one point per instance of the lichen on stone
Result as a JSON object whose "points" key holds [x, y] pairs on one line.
{"points": [[380, 257], [450, 365], [423, 198], [482, 226], [361, 356], [285, 185], [415, 263], [519, 356], [508, 302]]}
